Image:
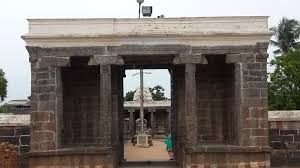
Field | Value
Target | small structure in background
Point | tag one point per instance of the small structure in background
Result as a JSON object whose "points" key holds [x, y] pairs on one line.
{"points": [[157, 115], [161, 16], [21, 106]]}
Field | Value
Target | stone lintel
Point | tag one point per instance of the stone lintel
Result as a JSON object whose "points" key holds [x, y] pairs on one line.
{"points": [[152, 110], [190, 59], [134, 50], [158, 50], [242, 57], [53, 61], [106, 60]]}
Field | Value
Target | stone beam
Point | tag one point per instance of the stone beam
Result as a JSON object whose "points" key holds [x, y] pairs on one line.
{"points": [[106, 60], [52, 61], [190, 59], [242, 57]]}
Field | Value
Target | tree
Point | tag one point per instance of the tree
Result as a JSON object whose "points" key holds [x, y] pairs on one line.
{"points": [[3, 85], [129, 96], [158, 93], [286, 35], [284, 85], [3, 109]]}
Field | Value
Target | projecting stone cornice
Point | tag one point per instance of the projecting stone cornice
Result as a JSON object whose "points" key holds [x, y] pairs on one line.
{"points": [[207, 31]]}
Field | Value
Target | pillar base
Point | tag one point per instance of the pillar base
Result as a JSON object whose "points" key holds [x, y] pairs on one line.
{"points": [[72, 157], [227, 156], [142, 140]]}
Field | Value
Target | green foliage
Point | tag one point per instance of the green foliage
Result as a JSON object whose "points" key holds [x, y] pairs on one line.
{"points": [[286, 35], [129, 96], [158, 93], [3, 85], [284, 85], [3, 109]]}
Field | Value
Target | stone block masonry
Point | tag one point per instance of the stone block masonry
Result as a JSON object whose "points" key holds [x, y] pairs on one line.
{"points": [[9, 156], [285, 138], [15, 130]]}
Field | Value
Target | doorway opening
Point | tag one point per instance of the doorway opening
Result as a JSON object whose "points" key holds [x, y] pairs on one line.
{"points": [[157, 111]]}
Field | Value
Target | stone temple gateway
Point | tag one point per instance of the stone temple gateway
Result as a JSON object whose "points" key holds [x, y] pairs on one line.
{"points": [[219, 88]]}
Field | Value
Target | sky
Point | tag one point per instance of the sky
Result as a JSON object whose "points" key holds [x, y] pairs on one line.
{"points": [[13, 24]]}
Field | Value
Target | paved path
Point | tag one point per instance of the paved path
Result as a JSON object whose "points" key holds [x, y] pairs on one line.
{"points": [[157, 152]]}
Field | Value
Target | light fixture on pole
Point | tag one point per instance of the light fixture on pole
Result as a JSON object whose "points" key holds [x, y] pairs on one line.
{"points": [[147, 11], [142, 138], [140, 3], [141, 73], [141, 82]]}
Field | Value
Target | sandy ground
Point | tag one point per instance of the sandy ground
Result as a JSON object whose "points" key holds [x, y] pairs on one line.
{"points": [[157, 152]]}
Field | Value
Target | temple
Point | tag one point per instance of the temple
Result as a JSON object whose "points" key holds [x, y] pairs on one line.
{"points": [[218, 113]]}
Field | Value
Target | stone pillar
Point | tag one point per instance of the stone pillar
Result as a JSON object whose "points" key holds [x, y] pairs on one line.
{"points": [[46, 102], [131, 122], [254, 108], [169, 119], [105, 105], [153, 124], [59, 109], [190, 105]]}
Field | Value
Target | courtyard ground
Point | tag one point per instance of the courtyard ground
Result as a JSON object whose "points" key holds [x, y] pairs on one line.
{"points": [[157, 152]]}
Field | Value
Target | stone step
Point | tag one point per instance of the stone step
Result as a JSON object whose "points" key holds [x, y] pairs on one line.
{"points": [[149, 164]]}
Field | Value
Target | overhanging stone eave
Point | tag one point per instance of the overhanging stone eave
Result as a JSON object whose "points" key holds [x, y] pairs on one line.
{"points": [[149, 39], [138, 35]]}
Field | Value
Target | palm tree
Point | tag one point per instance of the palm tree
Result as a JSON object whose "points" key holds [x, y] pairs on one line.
{"points": [[286, 35]]}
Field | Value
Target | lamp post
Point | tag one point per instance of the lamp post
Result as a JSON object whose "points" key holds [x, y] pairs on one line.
{"points": [[140, 3], [141, 81], [142, 97]]}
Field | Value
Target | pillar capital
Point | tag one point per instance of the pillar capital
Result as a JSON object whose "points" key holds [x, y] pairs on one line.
{"points": [[131, 110], [168, 110]]}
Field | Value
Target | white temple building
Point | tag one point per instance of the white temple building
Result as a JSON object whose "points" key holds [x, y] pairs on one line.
{"points": [[157, 114]]}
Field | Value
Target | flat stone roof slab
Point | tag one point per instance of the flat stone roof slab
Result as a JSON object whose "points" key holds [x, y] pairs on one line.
{"points": [[194, 31], [284, 115]]}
